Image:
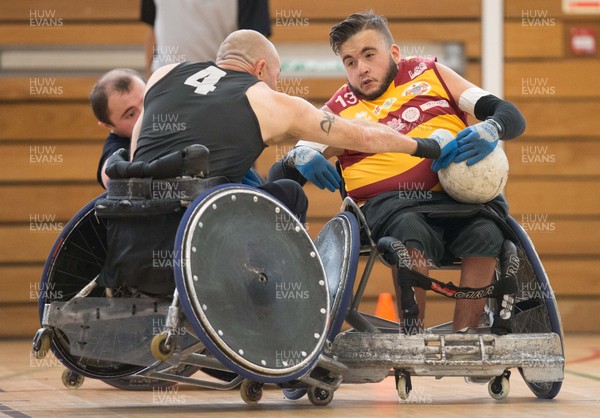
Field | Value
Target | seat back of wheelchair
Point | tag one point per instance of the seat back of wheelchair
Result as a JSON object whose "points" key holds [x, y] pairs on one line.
{"points": [[224, 277]]}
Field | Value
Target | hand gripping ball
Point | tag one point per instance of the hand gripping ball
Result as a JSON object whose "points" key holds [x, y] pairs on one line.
{"points": [[478, 183]]}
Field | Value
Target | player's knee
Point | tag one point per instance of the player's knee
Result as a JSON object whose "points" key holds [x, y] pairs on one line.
{"points": [[412, 229], [482, 237], [412, 224], [280, 171], [291, 194], [489, 232]]}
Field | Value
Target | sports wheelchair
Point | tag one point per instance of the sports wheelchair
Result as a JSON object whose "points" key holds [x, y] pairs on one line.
{"points": [[257, 302]]}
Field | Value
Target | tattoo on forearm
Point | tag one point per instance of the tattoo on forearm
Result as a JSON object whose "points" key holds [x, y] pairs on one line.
{"points": [[327, 122]]}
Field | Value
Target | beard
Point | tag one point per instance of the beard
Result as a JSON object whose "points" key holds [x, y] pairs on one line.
{"points": [[389, 77]]}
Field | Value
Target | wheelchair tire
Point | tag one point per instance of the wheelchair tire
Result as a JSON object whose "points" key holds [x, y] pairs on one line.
{"points": [[536, 310], [74, 261]]}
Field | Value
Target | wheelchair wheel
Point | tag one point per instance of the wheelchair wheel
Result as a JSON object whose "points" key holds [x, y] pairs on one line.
{"points": [[74, 261], [246, 268], [338, 244], [535, 310]]}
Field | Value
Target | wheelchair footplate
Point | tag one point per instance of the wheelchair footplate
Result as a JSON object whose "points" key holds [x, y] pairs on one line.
{"points": [[370, 356]]}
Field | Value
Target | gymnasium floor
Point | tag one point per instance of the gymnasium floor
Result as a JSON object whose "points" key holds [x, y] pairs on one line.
{"points": [[33, 388]]}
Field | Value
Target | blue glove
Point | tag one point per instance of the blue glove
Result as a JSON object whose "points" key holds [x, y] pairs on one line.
{"points": [[252, 178], [314, 167], [449, 149], [476, 142], [449, 152]]}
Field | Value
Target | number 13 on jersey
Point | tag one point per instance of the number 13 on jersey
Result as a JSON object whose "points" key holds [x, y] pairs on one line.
{"points": [[205, 80]]}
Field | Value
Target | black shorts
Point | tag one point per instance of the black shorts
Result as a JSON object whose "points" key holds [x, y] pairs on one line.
{"points": [[290, 194], [438, 238]]}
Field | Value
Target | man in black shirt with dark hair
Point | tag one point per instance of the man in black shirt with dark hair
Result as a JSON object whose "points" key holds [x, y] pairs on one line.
{"points": [[117, 100]]}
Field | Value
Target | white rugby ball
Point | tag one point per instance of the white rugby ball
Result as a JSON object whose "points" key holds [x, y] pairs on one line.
{"points": [[478, 183]]}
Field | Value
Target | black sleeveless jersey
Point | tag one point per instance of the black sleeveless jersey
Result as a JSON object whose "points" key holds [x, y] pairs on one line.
{"points": [[200, 103]]}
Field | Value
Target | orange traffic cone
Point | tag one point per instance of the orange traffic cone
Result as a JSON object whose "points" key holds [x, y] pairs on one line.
{"points": [[385, 307]]}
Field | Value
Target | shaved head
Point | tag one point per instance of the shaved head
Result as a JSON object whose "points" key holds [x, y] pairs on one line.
{"points": [[245, 50]]}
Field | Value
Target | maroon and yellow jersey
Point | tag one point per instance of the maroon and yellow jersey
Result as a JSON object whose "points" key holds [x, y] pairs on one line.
{"points": [[416, 103]]}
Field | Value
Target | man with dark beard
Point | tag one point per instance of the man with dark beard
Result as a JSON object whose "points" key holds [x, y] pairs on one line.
{"points": [[417, 97]]}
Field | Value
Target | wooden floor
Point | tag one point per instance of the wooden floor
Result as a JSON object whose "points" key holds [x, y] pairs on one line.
{"points": [[33, 388]]}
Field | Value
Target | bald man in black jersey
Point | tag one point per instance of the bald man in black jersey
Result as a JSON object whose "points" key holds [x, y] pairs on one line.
{"points": [[231, 106]]}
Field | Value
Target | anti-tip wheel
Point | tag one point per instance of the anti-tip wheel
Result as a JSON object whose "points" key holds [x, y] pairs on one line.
{"points": [[160, 349], [319, 397], [72, 380], [251, 391], [41, 343], [499, 387], [402, 388]]}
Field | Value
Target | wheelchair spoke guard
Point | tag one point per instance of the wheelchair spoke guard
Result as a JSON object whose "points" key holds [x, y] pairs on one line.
{"points": [[252, 284], [338, 244], [536, 310]]}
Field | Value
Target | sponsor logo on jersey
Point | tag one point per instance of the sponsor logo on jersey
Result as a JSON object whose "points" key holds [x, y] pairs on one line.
{"points": [[362, 115], [434, 103], [388, 103], [415, 89], [417, 71], [411, 114], [396, 124]]}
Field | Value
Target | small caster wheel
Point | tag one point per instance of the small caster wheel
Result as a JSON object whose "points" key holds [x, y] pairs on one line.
{"points": [[160, 349], [403, 384], [402, 389], [499, 387], [319, 397], [294, 394], [251, 391], [72, 380], [41, 343]]}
